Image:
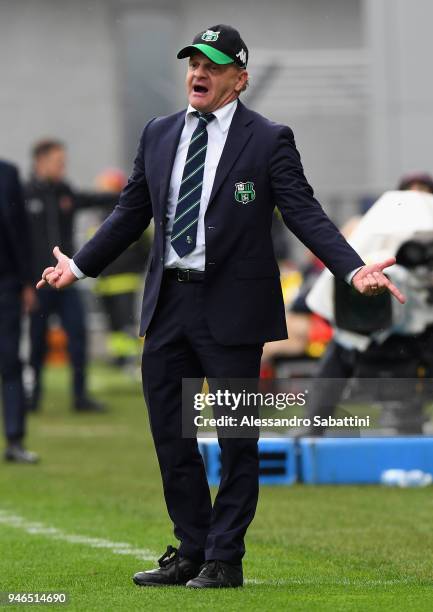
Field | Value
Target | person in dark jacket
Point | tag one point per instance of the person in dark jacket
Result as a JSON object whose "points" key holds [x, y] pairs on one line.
{"points": [[16, 292], [51, 204], [210, 177]]}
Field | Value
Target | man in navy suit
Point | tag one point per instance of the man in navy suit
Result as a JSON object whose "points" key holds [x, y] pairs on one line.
{"points": [[210, 178], [16, 293]]}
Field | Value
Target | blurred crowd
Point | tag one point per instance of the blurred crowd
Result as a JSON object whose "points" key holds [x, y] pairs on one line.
{"points": [[41, 212]]}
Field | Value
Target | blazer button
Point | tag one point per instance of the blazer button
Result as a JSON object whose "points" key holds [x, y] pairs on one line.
{"points": [[210, 227]]}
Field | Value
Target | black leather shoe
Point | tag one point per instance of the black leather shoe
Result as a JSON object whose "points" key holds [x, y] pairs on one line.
{"points": [[87, 404], [172, 570], [217, 575]]}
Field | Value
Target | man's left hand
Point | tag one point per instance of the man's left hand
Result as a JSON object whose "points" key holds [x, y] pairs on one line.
{"points": [[370, 280]]}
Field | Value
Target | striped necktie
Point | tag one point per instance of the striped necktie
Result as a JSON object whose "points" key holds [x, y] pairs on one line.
{"points": [[184, 232]]}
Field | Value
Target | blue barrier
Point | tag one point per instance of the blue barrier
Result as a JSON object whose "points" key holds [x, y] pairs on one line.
{"points": [[283, 461], [277, 460], [361, 460]]}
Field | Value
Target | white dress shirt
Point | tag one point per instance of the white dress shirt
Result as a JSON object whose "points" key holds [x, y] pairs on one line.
{"points": [[217, 136]]}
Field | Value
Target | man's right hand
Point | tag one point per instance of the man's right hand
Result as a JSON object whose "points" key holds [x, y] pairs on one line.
{"points": [[59, 277]]}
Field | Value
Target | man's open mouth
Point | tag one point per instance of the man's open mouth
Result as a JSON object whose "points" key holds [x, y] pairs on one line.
{"points": [[200, 89]]}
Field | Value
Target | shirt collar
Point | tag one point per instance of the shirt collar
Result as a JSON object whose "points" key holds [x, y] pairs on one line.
{"points": [[223, 115]]}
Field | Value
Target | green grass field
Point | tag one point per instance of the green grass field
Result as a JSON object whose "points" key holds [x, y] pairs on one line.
{"points": [[309, 548]]}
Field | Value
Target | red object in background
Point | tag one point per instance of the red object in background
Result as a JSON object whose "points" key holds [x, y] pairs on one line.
{"points": [[319, 334], [111, 179], [267, 371], [320, 330]]}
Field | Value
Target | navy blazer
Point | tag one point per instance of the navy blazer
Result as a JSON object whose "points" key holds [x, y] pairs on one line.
{"points": [[243, 303], [15, 256]]}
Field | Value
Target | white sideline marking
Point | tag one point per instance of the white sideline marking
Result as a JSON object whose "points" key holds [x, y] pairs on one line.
{"points": [[143, 554], [36, 528]]}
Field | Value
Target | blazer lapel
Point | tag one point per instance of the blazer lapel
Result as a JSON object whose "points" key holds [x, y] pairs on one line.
{"points": [[239, 134], [168, 146]]}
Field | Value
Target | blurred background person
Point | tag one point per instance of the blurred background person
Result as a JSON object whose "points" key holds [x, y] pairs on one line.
{"points": [[416, 181], [51, 205], [119, 284], [16, 294]]}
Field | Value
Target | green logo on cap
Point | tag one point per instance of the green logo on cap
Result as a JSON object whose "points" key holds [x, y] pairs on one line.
{"points": [[210, 36], [244, 192]]}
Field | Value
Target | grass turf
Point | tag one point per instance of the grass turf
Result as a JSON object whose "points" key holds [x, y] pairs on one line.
{"points": [[309, 548]]}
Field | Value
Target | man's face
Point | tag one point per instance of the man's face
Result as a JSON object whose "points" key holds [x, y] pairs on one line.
{"points": [[210, 86], [52, 165]]}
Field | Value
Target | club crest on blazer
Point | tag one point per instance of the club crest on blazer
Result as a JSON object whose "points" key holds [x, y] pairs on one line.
{"points": [[244, 192]]}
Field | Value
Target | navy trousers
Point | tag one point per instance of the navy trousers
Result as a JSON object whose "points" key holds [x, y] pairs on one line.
{"points": [[179, 345], [68, 306], [10, 365]]}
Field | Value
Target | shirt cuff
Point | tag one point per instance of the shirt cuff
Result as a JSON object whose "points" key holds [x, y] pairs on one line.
{"points": [[349, 277], [76, 270]]}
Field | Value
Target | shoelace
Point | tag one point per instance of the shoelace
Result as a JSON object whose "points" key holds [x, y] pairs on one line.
{"points": [[171, 555]]}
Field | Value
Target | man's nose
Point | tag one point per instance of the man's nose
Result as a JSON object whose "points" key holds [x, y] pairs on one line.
{"points": [[199, 71]]}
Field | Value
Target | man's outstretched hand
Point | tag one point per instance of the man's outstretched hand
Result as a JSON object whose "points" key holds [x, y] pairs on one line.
{"points": [[59, 277], [370, 280]]}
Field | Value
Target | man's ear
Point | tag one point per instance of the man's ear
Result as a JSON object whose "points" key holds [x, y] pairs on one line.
{"points": [[242, 81]]}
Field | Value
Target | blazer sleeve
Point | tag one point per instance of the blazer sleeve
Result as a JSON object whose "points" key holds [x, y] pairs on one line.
{"points": [[302, 213], [124, 225]]}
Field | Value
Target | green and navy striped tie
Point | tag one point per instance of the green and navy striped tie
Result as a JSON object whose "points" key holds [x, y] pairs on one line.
{"points": [[184, 232]]}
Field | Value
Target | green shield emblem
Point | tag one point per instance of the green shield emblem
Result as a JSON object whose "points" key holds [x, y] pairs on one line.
{"points": [[244, 192], [210, 36]]}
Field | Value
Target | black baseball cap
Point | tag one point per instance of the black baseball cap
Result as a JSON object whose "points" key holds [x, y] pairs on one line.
{"points": [[220, 43]]}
